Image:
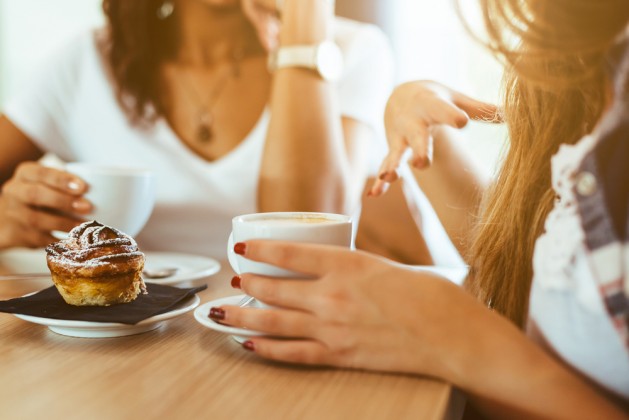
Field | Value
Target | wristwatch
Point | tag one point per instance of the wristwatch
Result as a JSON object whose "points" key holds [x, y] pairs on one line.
{"points": [[325, 59]]}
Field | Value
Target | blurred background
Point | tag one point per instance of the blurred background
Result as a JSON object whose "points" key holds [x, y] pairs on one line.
{"points": [[428, 39]]}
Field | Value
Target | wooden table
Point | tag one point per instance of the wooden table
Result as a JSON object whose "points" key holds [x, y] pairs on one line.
{"points": [[184, 370]]}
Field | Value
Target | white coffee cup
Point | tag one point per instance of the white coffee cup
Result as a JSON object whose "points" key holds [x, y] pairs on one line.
{"points": [[122, 196], [318, 228]]}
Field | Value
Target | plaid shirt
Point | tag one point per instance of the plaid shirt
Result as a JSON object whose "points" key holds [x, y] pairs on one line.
{"points": [[602, 191]]}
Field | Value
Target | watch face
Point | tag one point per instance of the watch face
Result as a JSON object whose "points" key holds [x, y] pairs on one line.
{"points": [[330, 61]]}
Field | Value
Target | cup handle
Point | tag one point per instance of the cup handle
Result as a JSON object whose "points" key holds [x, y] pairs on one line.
{"points": [[231, 255]]}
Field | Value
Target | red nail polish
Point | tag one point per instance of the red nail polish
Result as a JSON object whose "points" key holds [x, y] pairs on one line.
{"points": [[217, 314], [236, 282], [240, 248], [248, 345]]}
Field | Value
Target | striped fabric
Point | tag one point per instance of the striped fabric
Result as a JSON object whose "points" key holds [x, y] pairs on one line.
{"points": [[602, 191]]}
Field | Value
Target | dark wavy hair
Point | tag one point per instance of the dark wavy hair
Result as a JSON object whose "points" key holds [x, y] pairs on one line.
{"points": [[134, 45]]}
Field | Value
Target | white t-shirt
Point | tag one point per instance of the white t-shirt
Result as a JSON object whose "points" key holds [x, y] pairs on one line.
{"points": [[69, 109]]}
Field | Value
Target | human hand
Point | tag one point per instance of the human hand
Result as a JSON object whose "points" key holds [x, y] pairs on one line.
{"points": [[38, 200], [264, 17], [360, 311], [300, 21], [412, 111]]}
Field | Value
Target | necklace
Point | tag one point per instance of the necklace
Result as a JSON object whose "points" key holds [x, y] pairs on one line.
{"points": [[205, 118]]}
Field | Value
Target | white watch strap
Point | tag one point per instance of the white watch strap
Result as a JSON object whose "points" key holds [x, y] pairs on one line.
{"points": [[296, 56]]}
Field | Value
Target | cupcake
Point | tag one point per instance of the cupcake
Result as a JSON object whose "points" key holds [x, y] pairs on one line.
{"points": [[96, 265]]}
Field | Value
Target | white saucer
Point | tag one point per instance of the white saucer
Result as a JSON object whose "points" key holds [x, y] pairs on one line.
{"points": [[85, 329], [201, 314], [189, 267]]}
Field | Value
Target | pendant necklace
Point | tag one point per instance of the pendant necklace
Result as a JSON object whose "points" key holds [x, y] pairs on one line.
{"points": [[204, 132]]}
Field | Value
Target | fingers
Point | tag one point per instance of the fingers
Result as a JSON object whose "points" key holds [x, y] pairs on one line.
{"points": [[389, 168], [37, 186], [268, 31], [421, 145], [308, 352], [388, 173], [285, 293], [41, 220], [309, 259], [13, 233], [451, 115], [37, 239], [273, 322], [477, 110], [263, 15], [378, 188], [41, 195], [61, 181]]}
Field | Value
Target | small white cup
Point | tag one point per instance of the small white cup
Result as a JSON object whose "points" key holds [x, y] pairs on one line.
{"points": [[123, 196], [319, 228]]}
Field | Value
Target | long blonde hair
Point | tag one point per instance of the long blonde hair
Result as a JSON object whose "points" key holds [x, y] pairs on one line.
{"points": [[554, 92]]}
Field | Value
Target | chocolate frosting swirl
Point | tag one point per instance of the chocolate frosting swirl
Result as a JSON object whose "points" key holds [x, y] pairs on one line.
{"points": [[94, 249]]}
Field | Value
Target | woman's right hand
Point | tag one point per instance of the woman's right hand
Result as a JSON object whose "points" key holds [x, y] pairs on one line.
{"points": [[412, 111], [38, 200], [358, 310]]}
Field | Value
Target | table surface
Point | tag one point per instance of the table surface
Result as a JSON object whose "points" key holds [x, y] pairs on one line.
{"points": [[184, 370]]}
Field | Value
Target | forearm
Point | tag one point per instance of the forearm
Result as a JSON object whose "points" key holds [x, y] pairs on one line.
{"points": [[513, 377], [454, 184], [305, 164]]}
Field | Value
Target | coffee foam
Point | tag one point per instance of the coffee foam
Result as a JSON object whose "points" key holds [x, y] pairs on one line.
{"points": [[292, 220]]}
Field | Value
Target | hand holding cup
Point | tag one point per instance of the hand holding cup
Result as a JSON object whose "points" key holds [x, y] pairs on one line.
{"points": [[121, 196], [38, 200], [316, 228]]}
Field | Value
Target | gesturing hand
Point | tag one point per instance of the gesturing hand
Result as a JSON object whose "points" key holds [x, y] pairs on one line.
{"points": [[360, 311], [412, 111], [36, 201]]}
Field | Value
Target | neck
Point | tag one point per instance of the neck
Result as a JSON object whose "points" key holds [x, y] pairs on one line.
{"points": [[209, 35]]}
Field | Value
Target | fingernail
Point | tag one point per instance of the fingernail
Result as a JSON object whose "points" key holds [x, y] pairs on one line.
{"points": [[81, 205], [383, 176], [420, 163], [240, 248], [236, 282], [74, 186], [248, 345], [217, 314]]}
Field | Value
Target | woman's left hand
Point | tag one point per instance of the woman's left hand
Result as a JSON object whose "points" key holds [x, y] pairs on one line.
{"points": [[265, 19], [300, 21], [360, 311]]}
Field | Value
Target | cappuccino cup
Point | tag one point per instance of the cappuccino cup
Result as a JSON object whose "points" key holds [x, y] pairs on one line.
{"points": [[316, 228], [122, 196]]}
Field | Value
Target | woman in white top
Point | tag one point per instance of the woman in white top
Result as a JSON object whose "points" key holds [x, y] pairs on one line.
{"points": [[557, 218], [182, 87]]}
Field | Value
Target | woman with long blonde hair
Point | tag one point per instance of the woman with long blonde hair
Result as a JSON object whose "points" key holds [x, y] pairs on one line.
{"points": [[549, 255]]}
